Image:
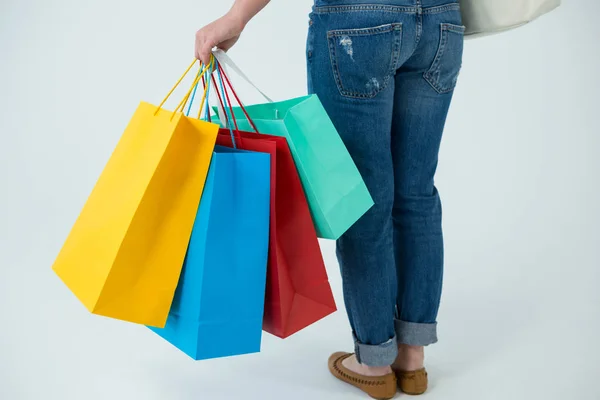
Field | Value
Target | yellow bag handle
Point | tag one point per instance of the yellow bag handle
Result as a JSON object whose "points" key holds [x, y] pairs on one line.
{"points": [[186, 97], [195, 85], [183, 102], [206, 85]]}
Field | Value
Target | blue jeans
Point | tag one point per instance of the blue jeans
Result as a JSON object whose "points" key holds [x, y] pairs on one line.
{"points": [[385, 72]]}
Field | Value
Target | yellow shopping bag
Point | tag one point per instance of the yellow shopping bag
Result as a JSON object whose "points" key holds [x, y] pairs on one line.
{"points": [[125, 252]]}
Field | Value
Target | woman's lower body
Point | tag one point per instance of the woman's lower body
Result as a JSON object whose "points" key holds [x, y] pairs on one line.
{"points": [[385, 72]]}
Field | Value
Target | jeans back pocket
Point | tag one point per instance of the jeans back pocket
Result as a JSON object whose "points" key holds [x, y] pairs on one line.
{"points": [[364, 60], [443, 74]]}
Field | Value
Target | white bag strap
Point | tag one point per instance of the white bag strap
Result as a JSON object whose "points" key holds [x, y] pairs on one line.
{"points": [[220, 111], [226, 61]]}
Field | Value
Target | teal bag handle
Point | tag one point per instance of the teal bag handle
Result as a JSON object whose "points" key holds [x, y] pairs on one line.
{"points": [[223, 97], [206, 77]]}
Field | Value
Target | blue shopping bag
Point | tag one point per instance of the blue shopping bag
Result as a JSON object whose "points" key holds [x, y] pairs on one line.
{"points": [[218, 306]]}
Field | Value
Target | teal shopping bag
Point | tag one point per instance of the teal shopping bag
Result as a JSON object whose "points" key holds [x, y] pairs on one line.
{"points": [[336, 193]]}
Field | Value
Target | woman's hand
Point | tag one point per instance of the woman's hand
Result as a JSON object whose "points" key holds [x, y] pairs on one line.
{"points": [[225, 32]]}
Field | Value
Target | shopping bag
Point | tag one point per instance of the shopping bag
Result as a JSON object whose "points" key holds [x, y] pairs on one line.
{"points": [[218, 306], [298, 291], [124, 254], [336, 193], [484, 17]]}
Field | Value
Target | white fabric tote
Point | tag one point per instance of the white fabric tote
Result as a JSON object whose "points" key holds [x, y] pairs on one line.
{"points": [[484, 17]]}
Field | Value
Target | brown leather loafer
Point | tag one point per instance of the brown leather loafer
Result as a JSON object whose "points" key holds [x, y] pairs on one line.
{"points": [[412, 382], [378, 387]]}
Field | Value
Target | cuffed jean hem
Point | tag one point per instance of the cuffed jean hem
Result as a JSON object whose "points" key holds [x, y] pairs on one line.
{"points": [[379, 355], [415, 334]]}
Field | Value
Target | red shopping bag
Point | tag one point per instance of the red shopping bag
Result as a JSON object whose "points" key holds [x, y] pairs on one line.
{"points": [[298, 291]]}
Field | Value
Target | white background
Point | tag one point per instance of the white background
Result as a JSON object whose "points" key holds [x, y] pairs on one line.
{"points": [[518, 174]]}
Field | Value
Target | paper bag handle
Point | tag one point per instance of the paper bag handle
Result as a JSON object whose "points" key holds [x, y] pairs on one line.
{"points": [[226, 61], [237, 99], [182, 103]]}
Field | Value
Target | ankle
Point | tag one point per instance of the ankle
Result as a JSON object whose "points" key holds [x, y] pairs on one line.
{"points": [[410, 358], [376, 371], [411, 350]]}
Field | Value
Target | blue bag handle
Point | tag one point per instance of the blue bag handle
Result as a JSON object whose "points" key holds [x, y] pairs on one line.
{"points": [[207, 79], [207, 73], [226, 105]]}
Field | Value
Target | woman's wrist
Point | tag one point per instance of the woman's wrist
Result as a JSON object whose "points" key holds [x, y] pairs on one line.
{"points": [[238, 18], [243, 11]]}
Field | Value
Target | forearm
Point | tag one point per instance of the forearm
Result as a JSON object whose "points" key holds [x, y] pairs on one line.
{"points": [[245, 10]]}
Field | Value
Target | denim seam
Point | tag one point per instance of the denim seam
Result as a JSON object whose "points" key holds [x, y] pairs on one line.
{"points": [[455, 28], [333, 59], [396, 27], [366, 7], [436, 66], [419, 31], [429, 75], [398, 49], [441, 9], [362, 31], [384, 8]]}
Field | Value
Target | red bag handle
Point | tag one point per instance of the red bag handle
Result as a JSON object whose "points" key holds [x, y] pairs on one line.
{"points": [[237, 129], [230, 86]]}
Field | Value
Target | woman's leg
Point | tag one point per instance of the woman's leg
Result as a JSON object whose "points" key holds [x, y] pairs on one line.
{"points": [[351, 67], [424, 87], [418, 123], [365, 251]]}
